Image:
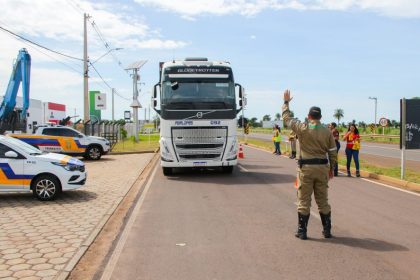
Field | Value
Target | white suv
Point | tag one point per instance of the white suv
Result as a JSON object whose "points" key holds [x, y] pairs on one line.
{"points": [[66, 140], [25, 168]]}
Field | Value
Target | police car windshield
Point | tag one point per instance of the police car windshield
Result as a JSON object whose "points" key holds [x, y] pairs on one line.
{"points": [[23, 146]]}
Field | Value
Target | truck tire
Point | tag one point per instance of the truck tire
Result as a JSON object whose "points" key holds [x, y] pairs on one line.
{"points": [[46, 187], [93, 152], [227, 169], [167, 171]]}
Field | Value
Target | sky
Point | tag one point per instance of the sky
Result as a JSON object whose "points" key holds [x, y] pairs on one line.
{"points": [[329, 53]]}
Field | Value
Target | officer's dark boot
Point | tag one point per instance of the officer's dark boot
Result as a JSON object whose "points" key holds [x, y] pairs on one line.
{"points": [[302, 226], [348, 173], [326, 224], [357, 173], [293, 156]]}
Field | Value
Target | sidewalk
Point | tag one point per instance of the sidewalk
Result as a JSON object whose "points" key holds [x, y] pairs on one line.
{"points": [[38, 240]]}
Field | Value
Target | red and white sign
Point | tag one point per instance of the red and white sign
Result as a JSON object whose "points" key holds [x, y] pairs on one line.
{"points": [[54, 112]]}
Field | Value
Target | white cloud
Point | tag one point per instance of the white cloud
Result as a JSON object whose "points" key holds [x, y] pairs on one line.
{"points": [[193, 8], [253, 37], [60, 20]]}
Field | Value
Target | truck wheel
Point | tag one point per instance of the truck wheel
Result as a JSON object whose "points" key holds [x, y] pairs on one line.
{"points": [[167, 171], [93, 152], [227, 169], [46, 187]]}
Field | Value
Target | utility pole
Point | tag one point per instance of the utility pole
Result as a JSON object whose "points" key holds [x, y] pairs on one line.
{"points": [[113, 92], [136, 104], [86, 115]]}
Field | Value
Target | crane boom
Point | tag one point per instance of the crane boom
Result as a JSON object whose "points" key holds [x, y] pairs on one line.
{"points": [[21, 74]]}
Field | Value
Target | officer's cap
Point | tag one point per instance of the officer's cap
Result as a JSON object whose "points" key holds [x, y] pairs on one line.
{"points": [[315, 112]]}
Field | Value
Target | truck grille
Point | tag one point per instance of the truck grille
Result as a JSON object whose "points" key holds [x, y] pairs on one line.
{"points": [[195, 143]]}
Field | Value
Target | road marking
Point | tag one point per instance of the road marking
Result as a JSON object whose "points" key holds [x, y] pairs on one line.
{"points": [[109, 269], [391, 187], [243, 168]]}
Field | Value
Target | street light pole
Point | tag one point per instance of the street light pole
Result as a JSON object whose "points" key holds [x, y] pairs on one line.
{"points": [[376, 108]]}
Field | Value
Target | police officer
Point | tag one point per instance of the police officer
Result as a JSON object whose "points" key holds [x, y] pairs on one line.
{"points": [[315, 168]]}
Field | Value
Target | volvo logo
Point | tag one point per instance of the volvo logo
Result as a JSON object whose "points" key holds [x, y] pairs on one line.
{"points": [[199, 115]]}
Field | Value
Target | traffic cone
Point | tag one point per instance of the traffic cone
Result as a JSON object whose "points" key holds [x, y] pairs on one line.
{"points": [[241, 152]]}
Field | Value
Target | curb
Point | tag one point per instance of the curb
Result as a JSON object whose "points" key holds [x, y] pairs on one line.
{"points": [[131, 153]]}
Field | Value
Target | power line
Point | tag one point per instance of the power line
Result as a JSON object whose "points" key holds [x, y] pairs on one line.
{"points": [[103, 80], [39, 45], [106, 44], [61, 62]]}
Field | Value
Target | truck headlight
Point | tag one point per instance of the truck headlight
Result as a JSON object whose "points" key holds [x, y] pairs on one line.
{"points": [[231, 155], [165, 153]]}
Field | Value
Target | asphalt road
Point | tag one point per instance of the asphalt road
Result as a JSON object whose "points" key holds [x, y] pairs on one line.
{"points": [[375, 149], [208, 225]]}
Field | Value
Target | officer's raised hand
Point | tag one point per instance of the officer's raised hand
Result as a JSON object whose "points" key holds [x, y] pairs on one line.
{"points": [[286, 96]]}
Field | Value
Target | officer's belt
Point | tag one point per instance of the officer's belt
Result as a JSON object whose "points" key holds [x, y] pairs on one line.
{"points": [[312, 161]]}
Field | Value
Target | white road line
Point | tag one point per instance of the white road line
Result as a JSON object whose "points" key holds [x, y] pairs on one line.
{"points": [[124, 236], [391, 187], [243, 168]]}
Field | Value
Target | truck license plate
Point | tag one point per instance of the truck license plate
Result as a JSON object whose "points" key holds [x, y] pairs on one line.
{"points": [[200, 163]]}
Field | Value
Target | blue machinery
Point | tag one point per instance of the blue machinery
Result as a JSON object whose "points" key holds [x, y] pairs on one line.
{"points": [[10, 118]]}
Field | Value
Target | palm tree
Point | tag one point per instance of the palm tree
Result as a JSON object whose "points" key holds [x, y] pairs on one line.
{"points": [[338, 114], [266, 118]]}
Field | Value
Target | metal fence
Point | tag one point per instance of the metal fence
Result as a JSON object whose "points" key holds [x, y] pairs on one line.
{"points": [[107, 129]]}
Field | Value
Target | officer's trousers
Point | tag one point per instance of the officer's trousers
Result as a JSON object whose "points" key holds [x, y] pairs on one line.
{"points": [[313, 179]]}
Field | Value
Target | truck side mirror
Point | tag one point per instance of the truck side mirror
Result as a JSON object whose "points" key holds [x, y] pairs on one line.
{"points": [[240, 102]]}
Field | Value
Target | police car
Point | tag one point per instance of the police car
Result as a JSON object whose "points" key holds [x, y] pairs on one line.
{"points": [[66, 140], [25, 168]]}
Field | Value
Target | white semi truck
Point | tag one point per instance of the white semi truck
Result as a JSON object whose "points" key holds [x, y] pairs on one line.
{"points": [[197, 103]]}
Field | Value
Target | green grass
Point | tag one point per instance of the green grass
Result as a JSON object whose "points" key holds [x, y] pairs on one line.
{"points": [[129, 145]]}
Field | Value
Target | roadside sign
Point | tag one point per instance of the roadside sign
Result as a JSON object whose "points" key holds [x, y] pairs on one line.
{"points": [[100, 101], [127, 115], [383, 122], [411, 126], [372, 127], [149, 125]]}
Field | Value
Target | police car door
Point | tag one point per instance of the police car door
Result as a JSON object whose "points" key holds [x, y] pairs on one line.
{"points": [[12, 176]]}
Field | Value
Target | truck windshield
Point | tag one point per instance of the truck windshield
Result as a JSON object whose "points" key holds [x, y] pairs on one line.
{"points": [[184, 94]]}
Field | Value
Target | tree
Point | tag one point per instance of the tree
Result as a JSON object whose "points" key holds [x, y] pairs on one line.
{"points": [[253, 122], [338, 114], [266, 118], [277, 117], [240, 121]]}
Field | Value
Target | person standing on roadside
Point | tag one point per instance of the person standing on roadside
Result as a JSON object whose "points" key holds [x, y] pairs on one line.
{"points": [[315, 143], [277, 139], [352, 137], [336, 135]]}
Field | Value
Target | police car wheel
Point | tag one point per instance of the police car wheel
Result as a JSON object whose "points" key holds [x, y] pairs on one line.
{"points": [[45, 187], [94, 153]]}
